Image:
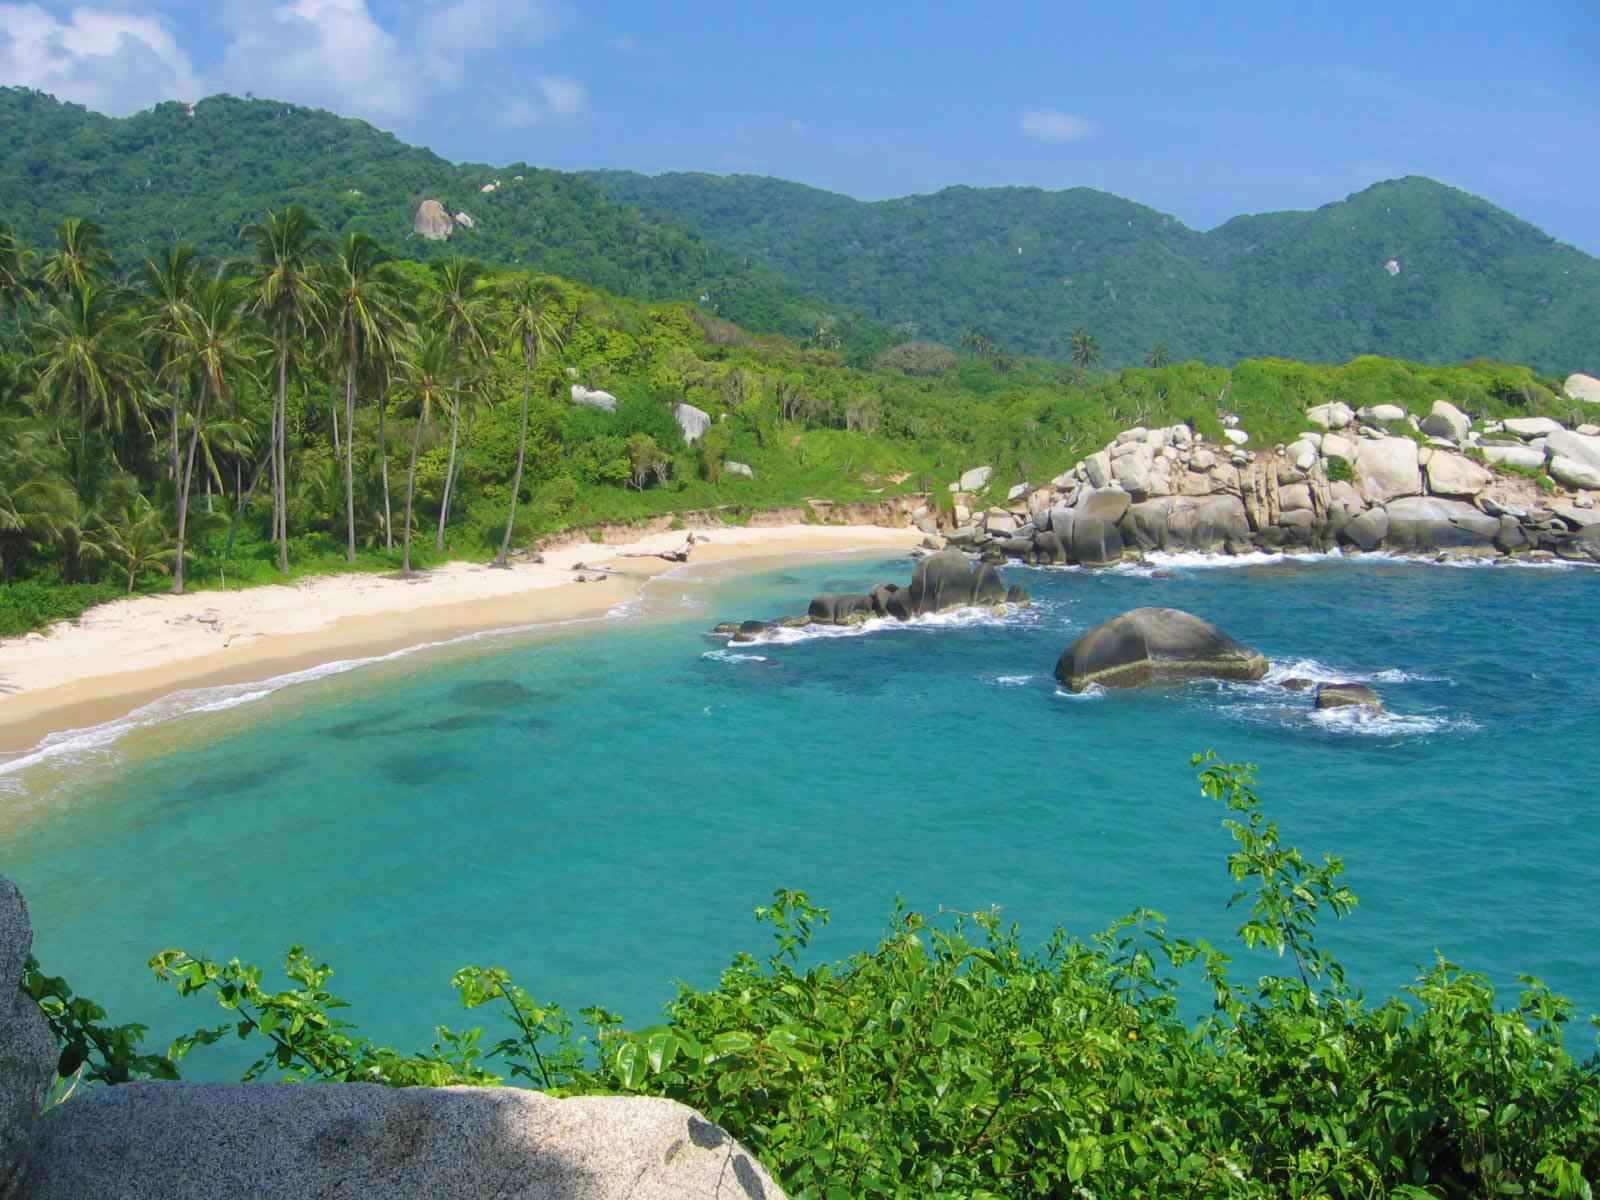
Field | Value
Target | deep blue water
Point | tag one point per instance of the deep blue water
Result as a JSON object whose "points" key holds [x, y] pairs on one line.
{"points": [[599, 809]]}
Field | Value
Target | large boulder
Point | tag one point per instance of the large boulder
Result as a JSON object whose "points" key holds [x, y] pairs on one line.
{"points": [[1526, 457], [840, 609], [1456, 475], [1387, 468], [1347, 695], [1097, 469], [1155, 645], [591, 398], [976, 479], [270, 1141], [1574, 473], [1219, 523], [739, 469], [1582, 546], [1575, 446], [1428, 523], [1108, 504], [28, 1051], [1446, 421], [433, 222], [1096, 542], [693, 421], [1380, 414], [1337, 415], [1532, 427], [941, 581], [1583, 387]]}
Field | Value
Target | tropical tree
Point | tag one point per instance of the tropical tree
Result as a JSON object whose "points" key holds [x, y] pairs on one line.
{"points": [[428, 368], [86, 372], [80, 256], [16, 269], [1085, 351], [36, 502], [366, 321], [462, 312], [532, 302], [1158, 355], [979, 340], [286, 293], [169, 283], [137, 539], [218, 346]]}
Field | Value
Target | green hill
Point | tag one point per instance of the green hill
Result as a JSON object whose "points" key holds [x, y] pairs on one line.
{"points": [[1031, 266], [203, 176]]}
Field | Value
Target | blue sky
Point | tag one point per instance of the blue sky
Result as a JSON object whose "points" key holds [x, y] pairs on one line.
{"points": [[1201, 110]]}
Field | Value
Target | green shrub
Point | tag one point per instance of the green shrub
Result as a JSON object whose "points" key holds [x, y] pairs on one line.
{"points": [[1339, 470]]}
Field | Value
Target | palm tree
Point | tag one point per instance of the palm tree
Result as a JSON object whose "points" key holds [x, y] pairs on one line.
{"points": [[463, 314], [428, 368], [368, 320], [1085, 351], [169, 288], [80, 256], [36, 502], [979, 340], [216, 345], [288, 296], [85, 369], [1158, 355], [532, 325], [16, 269], [135, 536]]}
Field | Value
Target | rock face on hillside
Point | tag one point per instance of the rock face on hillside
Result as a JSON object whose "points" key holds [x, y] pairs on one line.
{"points": [[27, 1050], [1583, 387], [693, 421], [433, 222], [1155, 645], [591, 398], [941, 582], [1443, 487], [176, 1141]]}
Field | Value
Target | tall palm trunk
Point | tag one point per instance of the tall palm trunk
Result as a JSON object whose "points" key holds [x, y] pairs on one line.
{"points": [[449, 474], [177, 384], [522, 451], [280, 464], [383, 469], [350, 461], [185, 483], [411, 490]]}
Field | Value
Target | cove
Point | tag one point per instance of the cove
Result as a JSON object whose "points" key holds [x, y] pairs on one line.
{"points": [[599, 809]]}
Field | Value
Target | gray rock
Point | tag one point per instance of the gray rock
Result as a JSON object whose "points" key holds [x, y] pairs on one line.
{"points": [[976, 479], [1219, 523], [1337, 415], [1152, 645], [268, 1141], [593, 399], [943, 581], [1514, 456], [1446, 421], [1051, 548], [1347, 695], [1589, 430], [1429, 523], [738, 468], [1456, 475], [1295, 498], [693, 421], [1335, 446], [1366, 531], [1097, 469], [847, 608], [1387, 468], [433, 222], [1000, 523], [28, 1050], [1382, 413], [1574, 472], [1016, 493], [1583, 387], [1236, 436], [1096, 541], [1134, 470], [1575, 446], [1202, 460], [1532, 427], [1108, 504], [1583, 546]]}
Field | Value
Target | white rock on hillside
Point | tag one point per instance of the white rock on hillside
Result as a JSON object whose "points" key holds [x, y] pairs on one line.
{"points": [[1446, 421], [1097, 469], [739, 468], [1237, 436], [976, 479], [1456, 475], [1382, 413], [1388, 469], [693, 421], [1525, 457], [1337, 415], [433, 222], [1584, 387], [1574, 473], [1532, 427], [1334, 446], [593, 399], [1575, 446], [1017, 492]]}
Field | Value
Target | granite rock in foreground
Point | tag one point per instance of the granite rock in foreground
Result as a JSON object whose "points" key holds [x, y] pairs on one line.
{"points": [[1155, 645], [27, 1050], [197, 1141]]}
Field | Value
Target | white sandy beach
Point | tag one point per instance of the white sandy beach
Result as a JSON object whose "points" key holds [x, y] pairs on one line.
{"points": [[119, 656]]}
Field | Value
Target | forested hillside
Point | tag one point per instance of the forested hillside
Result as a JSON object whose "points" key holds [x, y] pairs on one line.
{"points": [[1028, 268], [171, 174]]}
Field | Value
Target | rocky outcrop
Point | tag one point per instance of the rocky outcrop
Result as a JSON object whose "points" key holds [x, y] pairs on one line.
{"points": [[1348, 695], [742, 470], [433, 221], [28, 1052], [268, 1141], [693, 421], [1155, 645], [831, 609], [591, 398], [1585, 388]]}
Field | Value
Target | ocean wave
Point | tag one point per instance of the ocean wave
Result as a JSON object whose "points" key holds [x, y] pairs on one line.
{"points": [[1014, 680], [957, 618], [1356, 720], [730, 656], [1280, 672], [1093, 692]]}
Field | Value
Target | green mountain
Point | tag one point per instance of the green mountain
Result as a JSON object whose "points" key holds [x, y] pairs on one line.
{"points": [[204, 174], [1031, 266]]}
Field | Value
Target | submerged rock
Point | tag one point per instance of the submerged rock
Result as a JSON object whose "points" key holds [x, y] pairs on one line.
{"points": [[1347, 695], [1155, 645]]}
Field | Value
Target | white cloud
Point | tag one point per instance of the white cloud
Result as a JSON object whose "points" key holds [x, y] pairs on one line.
{"points": [[113, 62], [449, 35], [1050, 126], [553, 100]]}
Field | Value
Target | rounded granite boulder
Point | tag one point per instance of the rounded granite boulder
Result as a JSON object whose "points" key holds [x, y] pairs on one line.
{"points": [[1155, 645]]}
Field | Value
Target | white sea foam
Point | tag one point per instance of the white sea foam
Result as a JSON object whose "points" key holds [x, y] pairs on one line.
{"points": [[1093, 692], [1014, 680], [729, 656], [1280, 672], [958, 618], [1365, 722]]}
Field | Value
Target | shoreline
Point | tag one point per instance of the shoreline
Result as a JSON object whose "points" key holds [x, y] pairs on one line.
{"points": [[168, 644]]}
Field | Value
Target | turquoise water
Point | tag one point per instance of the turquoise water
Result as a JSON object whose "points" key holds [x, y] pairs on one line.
{"points": [[598, 809]]}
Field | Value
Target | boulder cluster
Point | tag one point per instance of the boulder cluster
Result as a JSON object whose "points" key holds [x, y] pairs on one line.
{"points": [[941, 582], [1377, 479]]}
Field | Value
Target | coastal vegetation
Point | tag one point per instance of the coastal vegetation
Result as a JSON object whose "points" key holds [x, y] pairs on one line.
{"points": [[307, 405], [956, 1060]]}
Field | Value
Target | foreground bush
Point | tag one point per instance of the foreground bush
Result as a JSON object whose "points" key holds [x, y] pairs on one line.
{"points": [[952, 1062]]}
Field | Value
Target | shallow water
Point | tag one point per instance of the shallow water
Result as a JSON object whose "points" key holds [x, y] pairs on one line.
{"points": [[598, 810]]}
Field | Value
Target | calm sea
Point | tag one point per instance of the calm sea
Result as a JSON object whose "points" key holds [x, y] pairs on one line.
{"points": [[598, 808]]}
